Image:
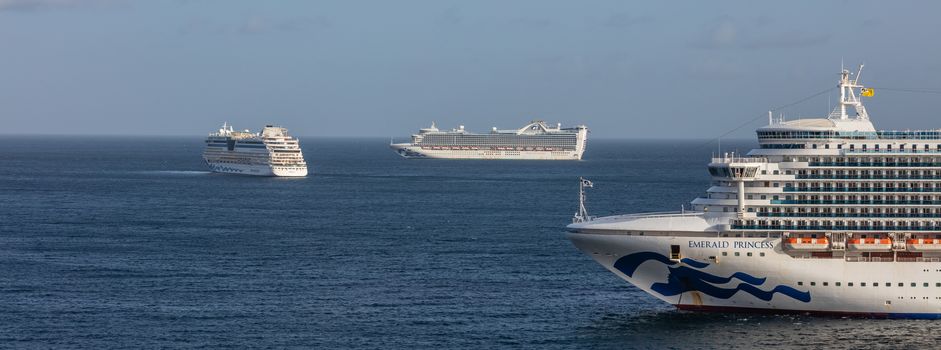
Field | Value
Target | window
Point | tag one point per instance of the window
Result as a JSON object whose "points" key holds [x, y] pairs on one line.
{"points": [[925, 284], [901, 284], [739, 254], [800, 283], [849, 284], [838, 284], [763, 254], [914, 285], [813, 283], [825, 284], [862, 284], [749, 253], [674, 252], [875, 284], [725, 253]]}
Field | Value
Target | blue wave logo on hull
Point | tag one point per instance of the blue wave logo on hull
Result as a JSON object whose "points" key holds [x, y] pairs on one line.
{"points": [[686, 279]]}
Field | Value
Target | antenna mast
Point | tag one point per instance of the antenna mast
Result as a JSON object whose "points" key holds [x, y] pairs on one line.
{"points": [[848, 95]]}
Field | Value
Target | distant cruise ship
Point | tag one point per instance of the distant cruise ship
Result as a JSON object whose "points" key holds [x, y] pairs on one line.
{"points": [[828, 215], [268, 153], [536, 140]]}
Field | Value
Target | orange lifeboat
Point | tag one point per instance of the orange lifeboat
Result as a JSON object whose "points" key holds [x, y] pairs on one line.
{"points": [[795, 243], [923, 244], [869, 244]]}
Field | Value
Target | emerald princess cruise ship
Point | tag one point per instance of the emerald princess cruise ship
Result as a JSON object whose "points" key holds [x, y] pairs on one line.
{"points": [[271, 152], [536, 140], [827, 216]]}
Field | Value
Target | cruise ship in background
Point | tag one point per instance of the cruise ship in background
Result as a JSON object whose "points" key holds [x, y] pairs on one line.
{"points": [[536, 140], [828, 215], [271, 152]]}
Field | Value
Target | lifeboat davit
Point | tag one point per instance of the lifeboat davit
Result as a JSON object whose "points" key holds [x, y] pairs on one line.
{"points": [[923, 245], [870, 244], [795, 243]]}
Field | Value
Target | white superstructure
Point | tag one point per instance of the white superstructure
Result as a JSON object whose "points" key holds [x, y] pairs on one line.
{"points": [[536, 140], [271, 152], [828, 216]]}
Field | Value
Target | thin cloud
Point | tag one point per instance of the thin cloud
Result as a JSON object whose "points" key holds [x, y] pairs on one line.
{"points": [[46, 5], [727, 33], [715, 69], [625, 20], [253, 25]]}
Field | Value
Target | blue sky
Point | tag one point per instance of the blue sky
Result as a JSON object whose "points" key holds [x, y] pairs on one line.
{"points": [[658, 69]]}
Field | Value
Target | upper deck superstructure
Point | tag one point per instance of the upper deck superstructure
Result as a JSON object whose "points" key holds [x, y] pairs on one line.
{"points": [[832, 214], [536, 140], [271, 152]]}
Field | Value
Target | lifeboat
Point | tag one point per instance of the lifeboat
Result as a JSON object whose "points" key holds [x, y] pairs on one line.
{"points": [[922, 245], [795, 243], [869, 244]]}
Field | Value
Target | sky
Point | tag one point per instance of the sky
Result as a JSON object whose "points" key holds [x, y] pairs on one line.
{"points": [[627, 69]]}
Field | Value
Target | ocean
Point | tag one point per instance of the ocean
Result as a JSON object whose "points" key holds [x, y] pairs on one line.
{"points": [[128, 242]]}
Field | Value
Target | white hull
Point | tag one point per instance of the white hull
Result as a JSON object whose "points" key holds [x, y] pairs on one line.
{"points": [[410, 151], [257, 170], [704, 279]]}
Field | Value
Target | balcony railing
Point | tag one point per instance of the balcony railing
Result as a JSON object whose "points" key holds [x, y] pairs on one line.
{"points": [[866, 177], [860, 189], [878, 164], [892, 151], [740, 160], [851, 215], [835, 228], [861, 202]]}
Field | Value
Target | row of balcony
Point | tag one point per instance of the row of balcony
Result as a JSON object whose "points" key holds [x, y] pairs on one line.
{"points": [[860, 202], [852, 215], [836, 227], [879, 164], [861, 189], [867, 177]]}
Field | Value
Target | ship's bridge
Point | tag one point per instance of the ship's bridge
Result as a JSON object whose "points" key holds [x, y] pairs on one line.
{"points": [[736, 168]]}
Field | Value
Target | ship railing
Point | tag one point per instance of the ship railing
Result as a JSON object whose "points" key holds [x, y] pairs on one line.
{"points": [[739, 160], [661, 214]]}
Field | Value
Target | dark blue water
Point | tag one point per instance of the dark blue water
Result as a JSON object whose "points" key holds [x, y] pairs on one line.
{"points": [[128, 242]]}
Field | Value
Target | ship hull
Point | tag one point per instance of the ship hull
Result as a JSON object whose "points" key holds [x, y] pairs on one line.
{"points": [[417, 152], [257, 170], [757, 275]]}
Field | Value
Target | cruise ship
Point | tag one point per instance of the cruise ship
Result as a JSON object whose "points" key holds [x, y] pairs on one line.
{"points": [[826, 216], [271, 152], [536, 140]]}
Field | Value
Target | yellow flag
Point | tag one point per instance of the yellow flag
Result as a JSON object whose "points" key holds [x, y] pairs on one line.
{"points": [[868, 92]]}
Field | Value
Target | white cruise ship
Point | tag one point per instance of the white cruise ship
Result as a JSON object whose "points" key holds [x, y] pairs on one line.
{"points": [[827, 216], [536, 140], [272, 152]]}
